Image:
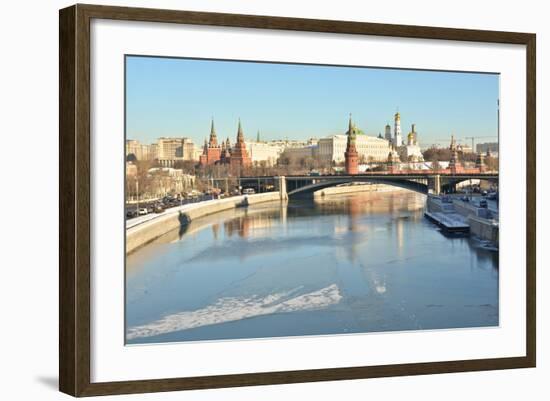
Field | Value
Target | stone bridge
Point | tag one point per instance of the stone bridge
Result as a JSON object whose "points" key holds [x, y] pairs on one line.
{"points": [[305, 185]]}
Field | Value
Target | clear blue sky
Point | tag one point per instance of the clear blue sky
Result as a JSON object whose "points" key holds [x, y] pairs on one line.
{"points": [[178, 97]]}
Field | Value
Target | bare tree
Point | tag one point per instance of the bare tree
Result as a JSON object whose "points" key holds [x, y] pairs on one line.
{"points": [[435, 154]]}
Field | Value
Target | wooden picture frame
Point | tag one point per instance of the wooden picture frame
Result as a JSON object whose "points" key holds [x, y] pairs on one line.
{"points": [[75, 207]]}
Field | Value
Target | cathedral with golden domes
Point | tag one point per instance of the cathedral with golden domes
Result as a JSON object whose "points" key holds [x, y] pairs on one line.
{"points": [[409, 150]]}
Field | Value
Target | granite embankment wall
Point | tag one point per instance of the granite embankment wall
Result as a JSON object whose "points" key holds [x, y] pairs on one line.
{"points": [[145, 229], [484, 229], [483, 222], [346, 189], [468, 209]]}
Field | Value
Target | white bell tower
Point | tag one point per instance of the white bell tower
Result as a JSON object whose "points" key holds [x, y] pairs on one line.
{"points": [[398, 139]]}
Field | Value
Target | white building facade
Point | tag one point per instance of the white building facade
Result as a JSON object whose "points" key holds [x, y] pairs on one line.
{"points": [[369, 148], [301, 152], [139, 150], [264, 152], [170, 150]]}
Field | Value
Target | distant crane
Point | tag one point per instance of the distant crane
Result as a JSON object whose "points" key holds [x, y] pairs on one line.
{"points": [[444, 141], [477, 137]]}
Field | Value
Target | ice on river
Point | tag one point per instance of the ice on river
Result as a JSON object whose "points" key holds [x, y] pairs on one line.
{"points": [[229, 309]]}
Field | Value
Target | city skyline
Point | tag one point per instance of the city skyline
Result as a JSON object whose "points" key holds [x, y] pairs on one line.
{"points": [[172, 97]]}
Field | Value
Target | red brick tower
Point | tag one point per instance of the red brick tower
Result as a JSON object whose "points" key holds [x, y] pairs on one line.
{"points": [[239, 154], [212, 152], [351, 155], [224, 155], [203, 159], [226, 152], [454, 164]]}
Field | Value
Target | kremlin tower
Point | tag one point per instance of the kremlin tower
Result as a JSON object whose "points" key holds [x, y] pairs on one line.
{"points": [[454, 163], [212, 151], [351, 155], [226, 152], [239, 154], [203, 159]]}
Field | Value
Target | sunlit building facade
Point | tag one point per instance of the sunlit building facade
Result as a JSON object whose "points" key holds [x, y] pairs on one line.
{"points": [[369, 148], [264, 152], [171, 150], [135, 150]]}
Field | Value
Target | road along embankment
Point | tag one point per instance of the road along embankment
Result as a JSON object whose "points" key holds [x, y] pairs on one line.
{"points": [[145, 229]]}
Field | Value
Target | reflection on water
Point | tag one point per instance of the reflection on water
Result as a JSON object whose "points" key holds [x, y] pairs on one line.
{"points": [[343, 264]]}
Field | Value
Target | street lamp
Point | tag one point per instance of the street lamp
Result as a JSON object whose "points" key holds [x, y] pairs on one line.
{"points": [[137, 196]]}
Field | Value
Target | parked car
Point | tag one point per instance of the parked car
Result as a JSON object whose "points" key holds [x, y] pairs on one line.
{"points": [[158, 209], [142, 211], [248, 191], [131, 213], [483, 203]]}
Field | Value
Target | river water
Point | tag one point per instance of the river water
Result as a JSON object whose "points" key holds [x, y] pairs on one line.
{"points": [[356, 263]]}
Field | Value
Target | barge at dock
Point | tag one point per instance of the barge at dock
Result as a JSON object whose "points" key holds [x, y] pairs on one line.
{"points": [[464, 215]]}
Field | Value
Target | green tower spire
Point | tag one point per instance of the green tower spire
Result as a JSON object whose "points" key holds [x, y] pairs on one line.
{"points": [[213, 140], [240, 135]]}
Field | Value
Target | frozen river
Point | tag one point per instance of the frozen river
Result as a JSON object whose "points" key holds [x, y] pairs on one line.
{"points": [[346, 264]]}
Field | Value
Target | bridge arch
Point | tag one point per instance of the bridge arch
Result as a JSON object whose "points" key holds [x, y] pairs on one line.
{"points": [[417, 185], [451, 182]]}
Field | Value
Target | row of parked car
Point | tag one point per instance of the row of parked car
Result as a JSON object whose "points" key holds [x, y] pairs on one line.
{"points": [[179, 199], [153, 208], [161, 205]]}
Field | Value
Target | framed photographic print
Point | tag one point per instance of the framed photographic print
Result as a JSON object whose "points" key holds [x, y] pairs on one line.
{"points": [[250, 200]]}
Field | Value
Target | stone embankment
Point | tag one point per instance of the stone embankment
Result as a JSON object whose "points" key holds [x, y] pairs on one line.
{"points": [[346, 189], [144, 229]]}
